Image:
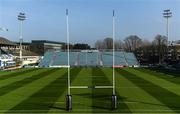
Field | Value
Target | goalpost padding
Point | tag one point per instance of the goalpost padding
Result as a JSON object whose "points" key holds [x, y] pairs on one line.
{"points": [[68, 102], [114, 102]]}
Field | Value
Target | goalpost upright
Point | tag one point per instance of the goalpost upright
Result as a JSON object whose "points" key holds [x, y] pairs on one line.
{"points": [[68, 96], [114, 97], [113, 27], [67, 26]]}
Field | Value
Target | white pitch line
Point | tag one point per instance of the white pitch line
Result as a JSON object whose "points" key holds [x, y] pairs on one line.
{"points": [[79, 87], [106, 87], [92, 87]]}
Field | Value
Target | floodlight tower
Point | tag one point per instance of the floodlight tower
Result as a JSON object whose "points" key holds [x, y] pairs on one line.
{"points": [[114, 97], [21, 18], [68, 97], [167, 14]]}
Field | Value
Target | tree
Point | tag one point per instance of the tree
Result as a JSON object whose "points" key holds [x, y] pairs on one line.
{"points": [[81, 46], [132, 42], [118, 44], [99, 44], [108, 43], [64, 46], [161, 43]]}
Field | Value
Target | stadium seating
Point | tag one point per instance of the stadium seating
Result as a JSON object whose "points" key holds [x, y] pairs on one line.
{"points": [[104, 58], [6, 59]]}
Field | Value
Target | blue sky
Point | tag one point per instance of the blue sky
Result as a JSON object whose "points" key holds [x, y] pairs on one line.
{"points": [[90, 20]]}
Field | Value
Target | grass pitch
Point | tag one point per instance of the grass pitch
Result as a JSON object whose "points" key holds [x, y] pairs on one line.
{"points": [[43, 90]]}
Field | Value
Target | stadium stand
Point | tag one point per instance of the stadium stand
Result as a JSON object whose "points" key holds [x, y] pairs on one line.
{"points": [[6, 57], [88, 58]]}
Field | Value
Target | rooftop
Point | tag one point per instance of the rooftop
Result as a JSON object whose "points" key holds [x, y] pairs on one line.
{"points": [[47, 41], [4, 41]]}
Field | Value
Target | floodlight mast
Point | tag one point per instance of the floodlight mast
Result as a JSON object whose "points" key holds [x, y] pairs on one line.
{"points": [[21, 18], [68, 97], [167, 14]]}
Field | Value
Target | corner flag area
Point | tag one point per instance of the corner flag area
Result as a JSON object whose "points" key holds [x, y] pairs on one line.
{"points": [[43, 90]]}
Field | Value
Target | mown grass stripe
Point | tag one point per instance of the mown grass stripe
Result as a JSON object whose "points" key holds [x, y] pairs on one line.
{"points": [[81, 102], [172, 77], [21, 83], [20, 72], [10, 72], [101, 98], [6, 72], [172, 87], [175, 73], [12, 80], [169, 99], [13, 98], [45, 98], [138, 100], [122, 104]]}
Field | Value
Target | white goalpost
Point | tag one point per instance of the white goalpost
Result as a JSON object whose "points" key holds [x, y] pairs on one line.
{"points": [[69, 96], [114, 97]]}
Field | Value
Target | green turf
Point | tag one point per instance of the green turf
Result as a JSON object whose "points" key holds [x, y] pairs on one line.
{"points": [[43, 90]]}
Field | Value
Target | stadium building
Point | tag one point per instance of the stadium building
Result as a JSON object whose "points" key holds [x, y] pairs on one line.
{"points": [[41, 46], [6, 58]]}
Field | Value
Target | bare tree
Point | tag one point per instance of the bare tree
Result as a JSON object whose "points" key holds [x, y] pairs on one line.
{"points": [[108, 43], [132, 43], [146, 42], [160, 43], [118, 44], [99, 44]]}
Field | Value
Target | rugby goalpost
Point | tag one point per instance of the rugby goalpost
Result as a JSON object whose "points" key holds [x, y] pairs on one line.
{"points": [[69, 96]]}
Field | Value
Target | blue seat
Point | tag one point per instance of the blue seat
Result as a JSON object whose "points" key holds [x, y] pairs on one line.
{"points": [[55, 58]]}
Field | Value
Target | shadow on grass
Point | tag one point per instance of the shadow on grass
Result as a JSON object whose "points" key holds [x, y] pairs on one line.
{"points": [[17, 73], [21, 83], [101, 98], [168, 98], [45, 98]]}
